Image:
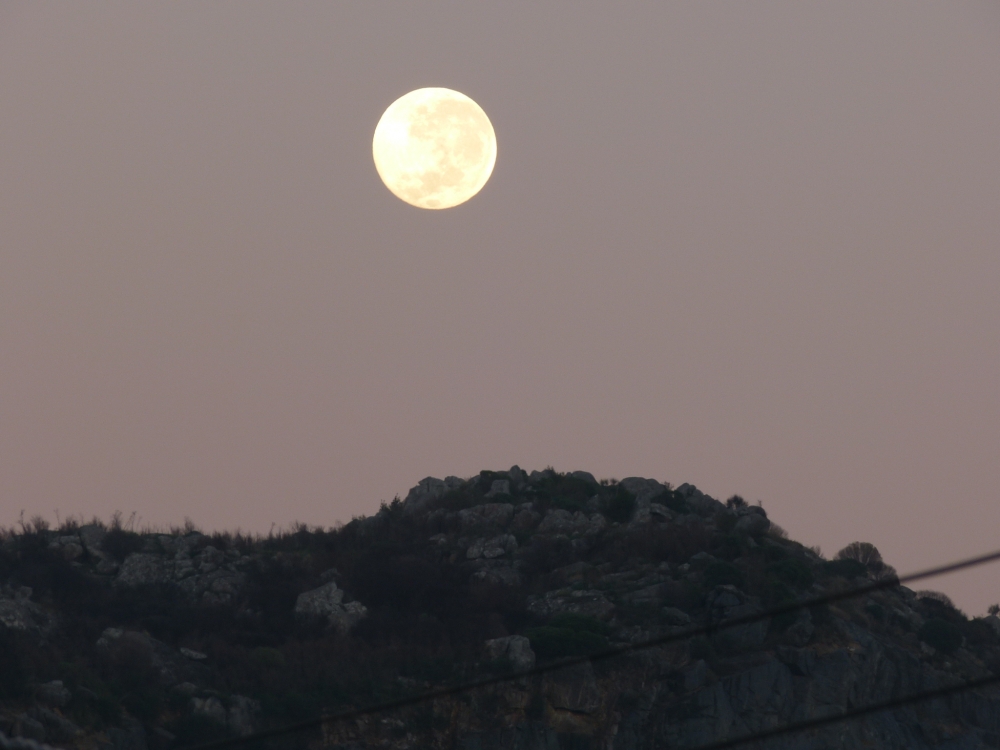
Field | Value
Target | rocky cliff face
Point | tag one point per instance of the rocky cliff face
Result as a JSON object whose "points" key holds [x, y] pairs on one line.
{"points": [[131, 641]]}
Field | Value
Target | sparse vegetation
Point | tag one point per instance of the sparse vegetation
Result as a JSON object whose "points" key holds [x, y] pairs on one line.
{"points": [[569, 565]]}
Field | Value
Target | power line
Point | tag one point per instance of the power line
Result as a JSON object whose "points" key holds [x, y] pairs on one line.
{"points": [[801, 726], [611, 653]]}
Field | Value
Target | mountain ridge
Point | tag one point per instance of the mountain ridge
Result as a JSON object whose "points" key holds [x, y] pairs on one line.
{"points": [[124, 640]]}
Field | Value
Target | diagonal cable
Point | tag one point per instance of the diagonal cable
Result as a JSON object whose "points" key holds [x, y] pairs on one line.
{"points": [[611, 653]]}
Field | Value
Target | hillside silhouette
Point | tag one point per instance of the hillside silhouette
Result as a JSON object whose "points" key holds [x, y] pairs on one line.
{"points": [[122, 639]]}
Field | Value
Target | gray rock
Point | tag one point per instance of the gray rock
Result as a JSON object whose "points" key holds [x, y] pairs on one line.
{"points": [[352, 614], [475, 549], [490, 516], [515, 648], [674, 616], [189, 653], [584, 602], [499, 487], [130, 736], [698, 501], [526, 519], [586, 476], [751, 522], [643, 489], [650, 595], [20, 615], [142, 569], [242, 715], [321, 601], [429, 489], [210, 708], [54, 693], [29, 728], [92, 537], [327, 602], [57, 727], [499, 545], [497, 571], [559, 521], [518, 477]]}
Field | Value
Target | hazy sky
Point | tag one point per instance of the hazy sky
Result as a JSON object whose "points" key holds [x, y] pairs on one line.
{"points": [[751, 246]]}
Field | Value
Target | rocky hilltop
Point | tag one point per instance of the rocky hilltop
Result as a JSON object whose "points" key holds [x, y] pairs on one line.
{"points": [[135, 640]]}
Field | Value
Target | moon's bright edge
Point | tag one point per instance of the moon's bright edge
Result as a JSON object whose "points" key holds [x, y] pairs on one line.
{"points": [[434, 148]]}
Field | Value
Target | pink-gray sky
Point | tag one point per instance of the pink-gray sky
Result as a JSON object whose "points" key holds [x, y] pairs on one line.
{"points": [[752, 246]]}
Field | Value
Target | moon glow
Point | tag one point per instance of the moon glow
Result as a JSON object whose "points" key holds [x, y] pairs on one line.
{"points": [[434, 148]]}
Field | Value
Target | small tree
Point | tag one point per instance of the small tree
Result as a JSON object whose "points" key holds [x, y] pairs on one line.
{"points": [[868, 555], [994, 609]]}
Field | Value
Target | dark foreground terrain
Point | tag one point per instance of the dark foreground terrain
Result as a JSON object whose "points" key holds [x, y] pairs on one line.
{"points": [[111, 638]]}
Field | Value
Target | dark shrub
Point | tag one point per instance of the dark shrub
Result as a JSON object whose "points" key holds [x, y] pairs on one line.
{"points": [[719, 573], [736, 502], [120, 543], [566, 492], [13, 676], [845, 569], [544, 555], [701, 648], [583, 623], [553, 643], [943, 635], [792, 571], [619, 505]]}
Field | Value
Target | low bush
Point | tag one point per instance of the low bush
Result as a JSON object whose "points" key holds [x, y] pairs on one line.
{"points": [[583, 623], [845, 569], [943, 635], [120, 543], [792, 571], [618, 505], [720, 573]]}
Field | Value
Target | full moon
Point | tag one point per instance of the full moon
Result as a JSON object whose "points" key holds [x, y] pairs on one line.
{"points": [[434, 148]]}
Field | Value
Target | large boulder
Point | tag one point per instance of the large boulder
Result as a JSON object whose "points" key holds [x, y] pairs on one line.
{"points": [[92, 537], [142, 569], [643, 489], [499, 487], [577, 601], [698, 501], [515, 648], [751, 521], [495, 516], [18, 612], [54, 693], [429, 489], [326, 602], [320, 601]]}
